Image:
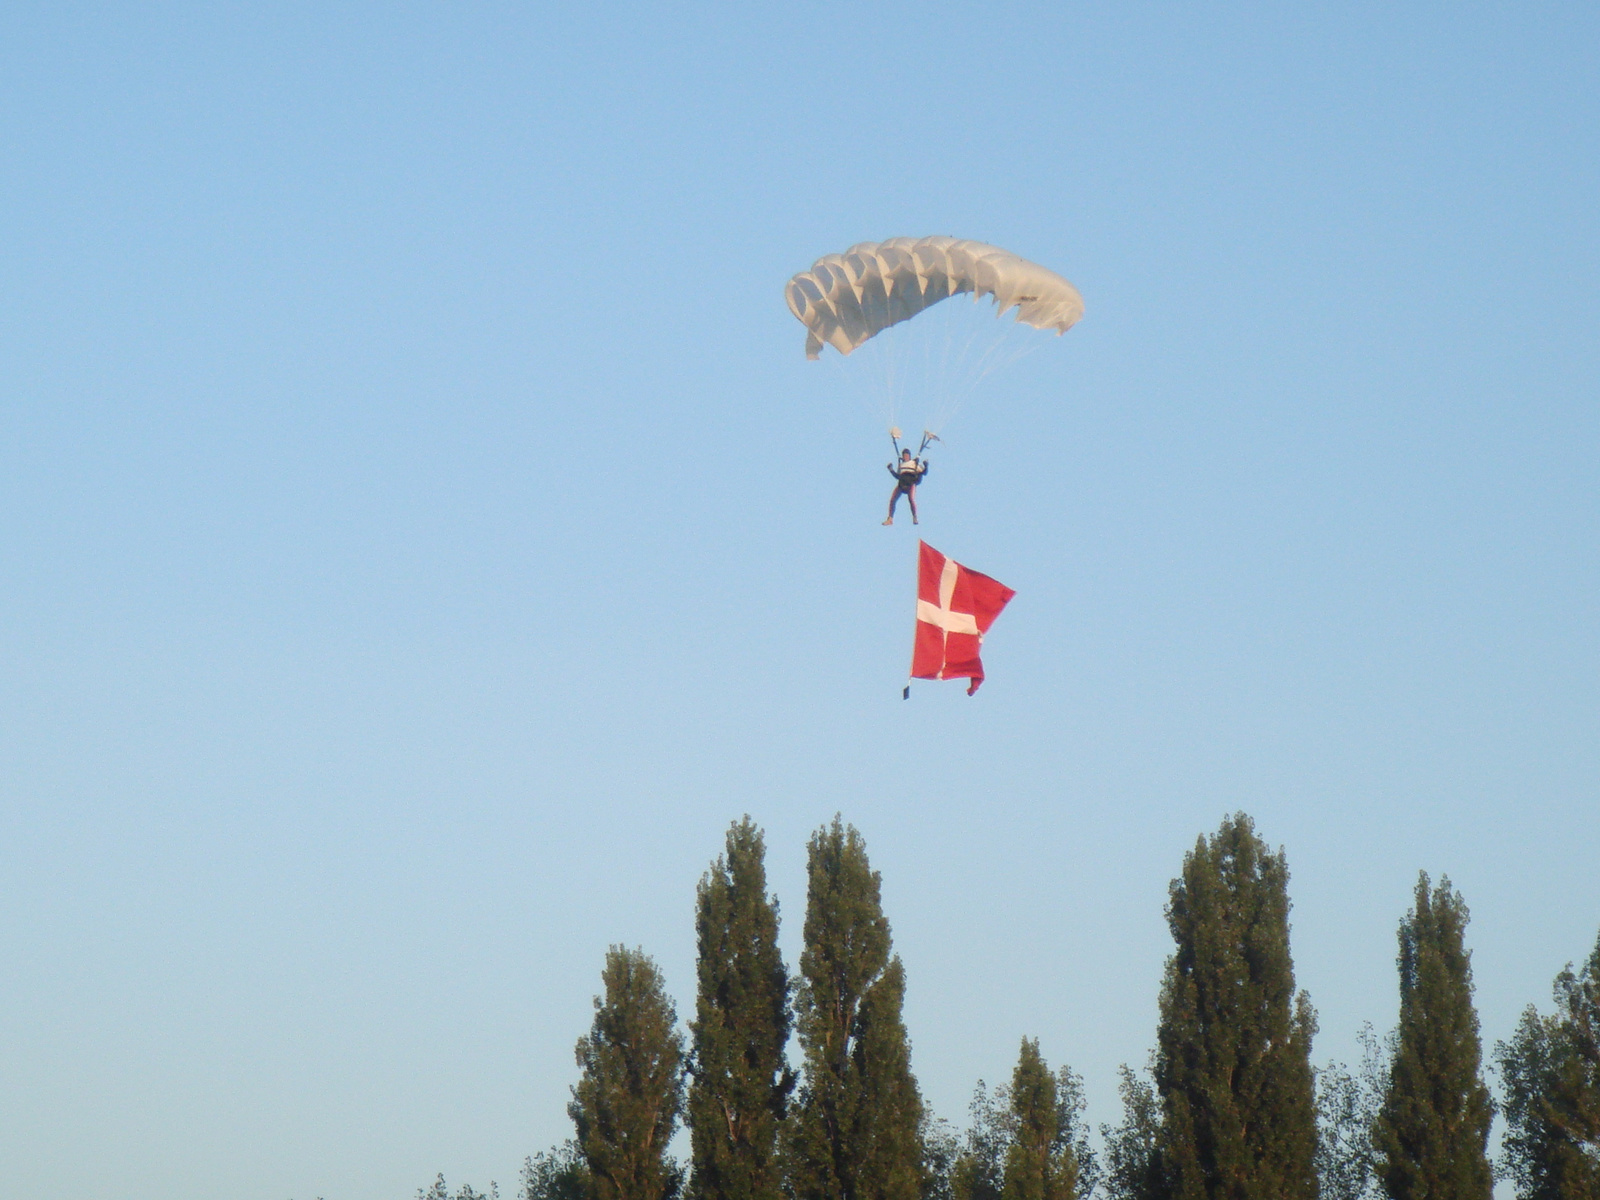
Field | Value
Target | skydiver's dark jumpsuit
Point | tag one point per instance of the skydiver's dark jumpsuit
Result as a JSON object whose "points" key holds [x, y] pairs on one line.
{"points": [[908, 472]]}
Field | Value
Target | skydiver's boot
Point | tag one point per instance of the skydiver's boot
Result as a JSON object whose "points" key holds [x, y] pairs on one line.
{"points": [[890, 521]]}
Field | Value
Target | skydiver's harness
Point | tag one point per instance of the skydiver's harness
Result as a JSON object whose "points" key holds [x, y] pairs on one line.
{"points": [[909, 474]]}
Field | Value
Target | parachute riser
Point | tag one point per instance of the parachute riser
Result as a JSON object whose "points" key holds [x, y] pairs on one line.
{"points": [[927, 436]]}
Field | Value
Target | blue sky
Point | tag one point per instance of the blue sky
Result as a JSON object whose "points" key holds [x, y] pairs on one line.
{"points": [[424, 534]]}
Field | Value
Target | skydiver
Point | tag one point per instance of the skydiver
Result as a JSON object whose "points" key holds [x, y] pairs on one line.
{"points": [[908, 472]]}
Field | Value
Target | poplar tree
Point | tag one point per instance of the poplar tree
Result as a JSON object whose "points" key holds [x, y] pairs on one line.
{"points": [[740, 1079], [854, 1134], [1433, 1127], [1027, 1139], [626, 1102], [1232, 1065], [1551, 1073], [1043, 1162]]}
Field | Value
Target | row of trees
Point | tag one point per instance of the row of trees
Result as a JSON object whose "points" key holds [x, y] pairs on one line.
{"points": [[1230, 1107]]}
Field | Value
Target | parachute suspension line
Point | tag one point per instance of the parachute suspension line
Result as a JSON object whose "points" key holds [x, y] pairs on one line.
{"points": [[955, 377], [863, 299], [871, 378], [891, 385], [971, 359]]}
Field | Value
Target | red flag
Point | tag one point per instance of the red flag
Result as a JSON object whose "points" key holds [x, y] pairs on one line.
{"points": [[955, 607]]}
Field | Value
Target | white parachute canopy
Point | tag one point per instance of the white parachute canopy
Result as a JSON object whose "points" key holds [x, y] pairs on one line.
{"points": [[846, 299]]}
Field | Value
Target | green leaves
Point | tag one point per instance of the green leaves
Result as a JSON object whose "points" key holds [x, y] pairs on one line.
{"points": [[1132, 1163], [1228, 1110], [1232, 1066], [855, 1134], [740, 1078], [556, 1174], [1347, 1106], [629, 1092], [1551, 1073], [1431, 1133], [1047, 1153]]}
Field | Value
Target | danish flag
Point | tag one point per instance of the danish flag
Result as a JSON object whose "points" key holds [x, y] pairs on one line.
{"points": [[955, 607]]}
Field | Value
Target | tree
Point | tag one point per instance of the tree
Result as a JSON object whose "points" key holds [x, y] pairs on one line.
{"points": [[740, 1080], [556, 1174], [941, 1150], [629, 1092], [1551, 1075], [1433, 1128], [1132, 1167], [855, 1132], [979, 1169], [1347, 1105], [889, 1111], [1232, 1066], [438, 1190], [1027, 1139], [1047, 1151]]}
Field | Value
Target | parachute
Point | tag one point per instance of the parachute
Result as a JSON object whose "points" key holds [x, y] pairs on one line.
{"points": [[847, 299]]}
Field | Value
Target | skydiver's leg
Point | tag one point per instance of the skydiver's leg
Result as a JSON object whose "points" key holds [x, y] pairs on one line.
{"points": [[911, 499], [894, 498]]}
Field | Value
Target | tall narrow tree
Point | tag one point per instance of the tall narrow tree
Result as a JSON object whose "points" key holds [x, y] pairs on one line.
{"points": [[1431, 1133], [740, 1080], [889, 1112], [1043, 1162], [1551, 1073], [854, 1134], [629, 1092], [1232, 1068], [1027, 1138]]}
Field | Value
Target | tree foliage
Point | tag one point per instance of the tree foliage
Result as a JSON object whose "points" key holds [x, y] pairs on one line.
{"points": [[855, 1132], [1045, 1158], [740, 1078], [1550, 1070], [626, 1102], [1132, 1168], [978, 1172], [1229, 1108], [941, 1150], [1028, 1138], [1433, 1127], [439, 1190], [1232, 1066], [556, 1174], [1347, 1105]]}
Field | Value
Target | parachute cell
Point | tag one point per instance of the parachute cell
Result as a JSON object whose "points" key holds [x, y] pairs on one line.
{"points": [[845, 299]]}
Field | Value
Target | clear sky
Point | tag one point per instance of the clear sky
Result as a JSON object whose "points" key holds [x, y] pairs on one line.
{"points": [[423, 534]]}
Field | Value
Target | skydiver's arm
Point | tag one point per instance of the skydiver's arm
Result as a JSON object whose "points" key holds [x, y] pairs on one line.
{"points": [[892, 471]]}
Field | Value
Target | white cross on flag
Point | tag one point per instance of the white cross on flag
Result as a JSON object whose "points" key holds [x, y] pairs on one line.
{"points": [[955, 607]]}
